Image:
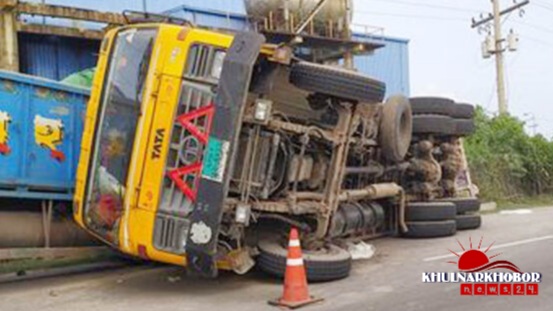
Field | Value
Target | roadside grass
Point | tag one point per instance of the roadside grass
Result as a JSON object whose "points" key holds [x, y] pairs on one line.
{"points": [[526, 202]]}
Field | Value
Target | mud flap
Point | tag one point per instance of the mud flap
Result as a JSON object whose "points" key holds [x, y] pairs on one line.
{"points": [[205, 219]]}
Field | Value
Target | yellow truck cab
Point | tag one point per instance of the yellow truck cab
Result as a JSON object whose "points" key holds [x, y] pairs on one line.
{"points": [[148, 76]]}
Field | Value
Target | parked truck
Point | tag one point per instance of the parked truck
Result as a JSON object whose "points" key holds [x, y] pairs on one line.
{"points": [[202, 148], [41, 123]]}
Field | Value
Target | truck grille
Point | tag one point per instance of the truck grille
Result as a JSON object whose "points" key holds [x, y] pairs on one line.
{"points": [[170, 233], [186, 150], [201, 61], [189, 136]]}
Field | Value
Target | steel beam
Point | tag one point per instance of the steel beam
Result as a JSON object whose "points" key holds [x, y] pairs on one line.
{"points": [[9, 56], [60, 31], [61, 12]]}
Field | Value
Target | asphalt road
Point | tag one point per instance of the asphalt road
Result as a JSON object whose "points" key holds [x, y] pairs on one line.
{"points": [[389, 281]]}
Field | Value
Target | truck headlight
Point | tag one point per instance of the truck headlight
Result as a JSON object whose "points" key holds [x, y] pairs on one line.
{"points": [[262, 110], [243, 212], [217, 67]]}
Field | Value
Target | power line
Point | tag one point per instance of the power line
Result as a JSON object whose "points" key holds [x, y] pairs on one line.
{"points": [[538, 41], [428, 5], [536, 27], [455, 19], [495, 46], [543, 5]]}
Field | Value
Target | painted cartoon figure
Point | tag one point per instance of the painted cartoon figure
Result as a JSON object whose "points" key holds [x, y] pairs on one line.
{"points": [[49, 134], [5, 120]]}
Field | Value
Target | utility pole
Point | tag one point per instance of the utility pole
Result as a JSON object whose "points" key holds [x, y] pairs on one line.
{"points": [[499, 63], [497, 47]]}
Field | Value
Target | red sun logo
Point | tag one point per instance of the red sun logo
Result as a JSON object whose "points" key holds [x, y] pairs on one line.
{"points": [[475, 260]]}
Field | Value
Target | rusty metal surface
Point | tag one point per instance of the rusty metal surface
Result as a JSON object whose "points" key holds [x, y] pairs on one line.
{"points": [[9, 54], [60, 31], [64, 12], [7, 4], [302, 207], [302, 129], [424, 172], [452, 165], [343, 131], [371, 192]]}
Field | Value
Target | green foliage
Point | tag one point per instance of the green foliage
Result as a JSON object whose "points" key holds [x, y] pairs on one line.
{"points": [[505, 162]]}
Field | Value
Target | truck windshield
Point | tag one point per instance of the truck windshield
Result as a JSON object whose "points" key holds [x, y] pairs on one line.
{"points": [[115, 133]]}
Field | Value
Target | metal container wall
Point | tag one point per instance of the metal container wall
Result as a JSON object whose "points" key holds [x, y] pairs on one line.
{"points": [[389, 64], [55, 57], [41, 124]]}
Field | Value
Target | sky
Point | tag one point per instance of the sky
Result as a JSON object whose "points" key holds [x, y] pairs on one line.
{"points": [[446, 59], [445, 52]]}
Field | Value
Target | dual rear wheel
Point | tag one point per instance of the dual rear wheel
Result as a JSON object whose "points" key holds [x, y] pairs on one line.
{"points": [[442, 117], [442, 218]]}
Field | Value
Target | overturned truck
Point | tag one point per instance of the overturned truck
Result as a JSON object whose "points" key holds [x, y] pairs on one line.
{"points": [[202, 148]]}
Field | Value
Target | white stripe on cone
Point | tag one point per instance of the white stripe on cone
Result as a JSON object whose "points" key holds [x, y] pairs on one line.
{"points": [[294, 243], [294, 262]]}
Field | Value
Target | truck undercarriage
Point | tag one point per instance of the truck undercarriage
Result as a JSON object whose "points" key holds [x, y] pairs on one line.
{"points": [[314, 148]]}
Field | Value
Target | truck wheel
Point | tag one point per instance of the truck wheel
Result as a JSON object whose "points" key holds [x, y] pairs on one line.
{"points": [[396, 128], [468, 221], [331, 263], [464, 205], [430, 229], [337, 82], [433, 124], [463, 111], [432, 105], [430, 211], [464, 127]]}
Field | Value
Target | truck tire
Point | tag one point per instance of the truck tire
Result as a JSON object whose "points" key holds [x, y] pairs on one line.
{"points": [[464, 127], [463, 111], [433, 124], [430, 229], [337, 82], [464, 205], [432, 105], [396, 128], [321, 266], [468, 221], [430, 211]]}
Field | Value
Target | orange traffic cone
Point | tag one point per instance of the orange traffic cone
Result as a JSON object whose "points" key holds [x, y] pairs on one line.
{"points": [[296, 293]]}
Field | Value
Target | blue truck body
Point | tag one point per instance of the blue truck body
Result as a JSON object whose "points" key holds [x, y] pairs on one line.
{"points": [[41, 125]]}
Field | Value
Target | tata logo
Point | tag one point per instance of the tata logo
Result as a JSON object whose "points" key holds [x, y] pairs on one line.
{"points": [[158, 143]]}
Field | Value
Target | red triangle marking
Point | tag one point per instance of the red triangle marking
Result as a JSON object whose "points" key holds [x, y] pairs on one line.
{"points": [[177, 174], [186, 121]]}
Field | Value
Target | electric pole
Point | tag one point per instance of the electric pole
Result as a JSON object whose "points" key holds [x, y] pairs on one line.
{"points": [[499, 63], [495, 45]]}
